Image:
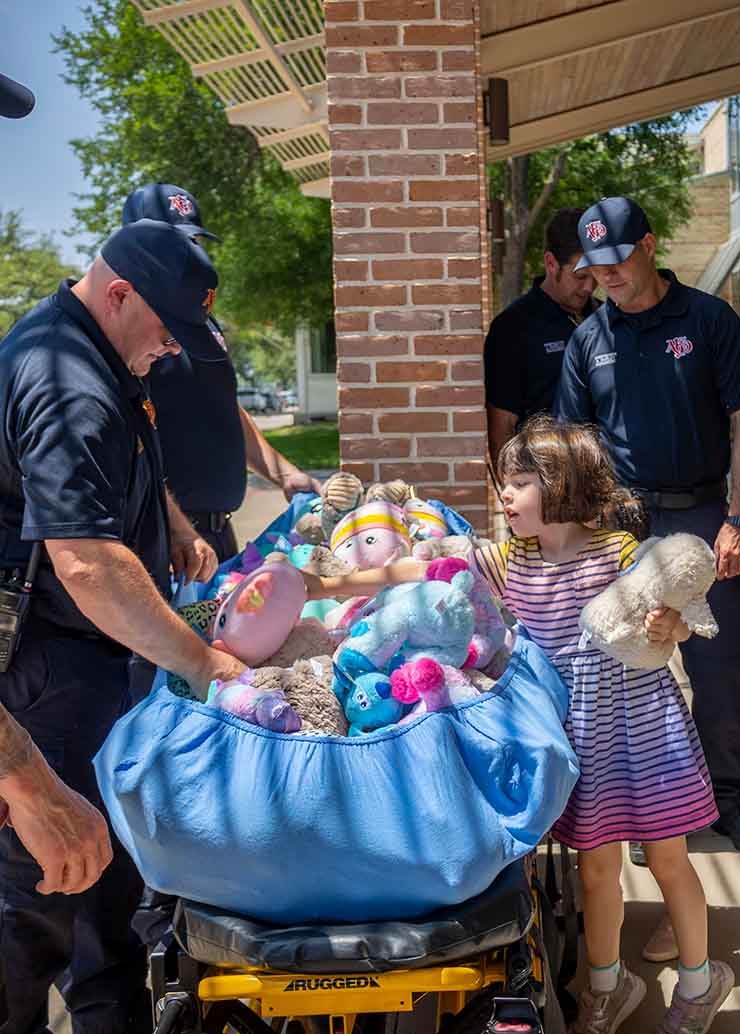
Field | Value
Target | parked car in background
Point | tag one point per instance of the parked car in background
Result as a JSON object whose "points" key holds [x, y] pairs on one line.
{"points": [[252, 400], [289, 400], [273, 402]]}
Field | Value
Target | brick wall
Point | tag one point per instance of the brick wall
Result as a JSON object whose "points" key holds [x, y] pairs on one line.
{"points": [[410, 252]]}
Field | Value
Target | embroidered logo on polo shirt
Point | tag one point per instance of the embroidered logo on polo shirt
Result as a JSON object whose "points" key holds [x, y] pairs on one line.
{"points": [[595, 230], [180, 204], [679, 346], [148, 406], [607, 359], [554, 346]]}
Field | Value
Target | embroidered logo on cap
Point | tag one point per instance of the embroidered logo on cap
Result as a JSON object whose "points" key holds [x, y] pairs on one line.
{"points": [[679, 346], [595, 230], [209, 299], [181, 204]]}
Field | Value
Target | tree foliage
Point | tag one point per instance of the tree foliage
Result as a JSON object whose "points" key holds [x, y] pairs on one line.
{"points": [[30, 269], [648, 161], [156, 122]]}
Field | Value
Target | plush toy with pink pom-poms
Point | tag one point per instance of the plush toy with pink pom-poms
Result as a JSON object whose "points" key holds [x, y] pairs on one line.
{"points": [[430, 686]]}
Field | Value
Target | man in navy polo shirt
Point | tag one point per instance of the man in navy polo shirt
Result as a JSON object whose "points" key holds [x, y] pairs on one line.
{"points": [[526, 342], [81, 472], [66, 835], [657, 368], [207, 439]]}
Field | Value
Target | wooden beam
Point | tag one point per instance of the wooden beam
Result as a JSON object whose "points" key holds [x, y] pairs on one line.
{"points": [[317, 188], [251, 57], [618, 111], [174, 12], [553, 39], [248, 16], [281, 110]]}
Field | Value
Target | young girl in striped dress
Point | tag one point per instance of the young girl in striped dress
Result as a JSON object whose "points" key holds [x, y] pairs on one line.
{"points": [[643, 774]]}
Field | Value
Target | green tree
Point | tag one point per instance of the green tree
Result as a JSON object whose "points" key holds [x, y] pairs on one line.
{"points": [[649, 161], [263, 355], [30, 269], [156, 122]]}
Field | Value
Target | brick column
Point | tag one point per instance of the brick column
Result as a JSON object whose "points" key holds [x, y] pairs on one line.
{"points": [[411, 266]]}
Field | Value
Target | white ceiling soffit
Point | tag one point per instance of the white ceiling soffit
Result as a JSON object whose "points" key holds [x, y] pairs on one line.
{"points": [[265, 60]]}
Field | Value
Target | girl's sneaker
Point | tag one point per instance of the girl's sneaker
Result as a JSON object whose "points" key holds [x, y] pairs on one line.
{"points": [[662, 946], [694, 1016], [604, 1013]]}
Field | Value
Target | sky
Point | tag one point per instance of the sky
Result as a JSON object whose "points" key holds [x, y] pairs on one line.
{"points": [[39, 173]]}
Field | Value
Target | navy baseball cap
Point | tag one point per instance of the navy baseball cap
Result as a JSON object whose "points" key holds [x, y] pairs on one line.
{"points": [[16, 101], [609, 231], [172, 274], [169, 204]]}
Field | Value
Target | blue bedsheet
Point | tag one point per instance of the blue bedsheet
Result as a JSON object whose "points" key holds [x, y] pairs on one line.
{"points": [[294, 829]]}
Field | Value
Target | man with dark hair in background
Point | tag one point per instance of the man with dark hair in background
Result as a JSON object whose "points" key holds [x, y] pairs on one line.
{"points": [[524, 348]]}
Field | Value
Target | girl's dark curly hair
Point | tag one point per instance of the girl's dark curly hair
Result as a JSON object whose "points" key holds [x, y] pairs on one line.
{"points": [[574, 469]]}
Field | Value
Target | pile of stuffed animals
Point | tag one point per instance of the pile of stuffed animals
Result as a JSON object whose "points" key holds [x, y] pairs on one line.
{"points": [[366, 664], [352, 667]]}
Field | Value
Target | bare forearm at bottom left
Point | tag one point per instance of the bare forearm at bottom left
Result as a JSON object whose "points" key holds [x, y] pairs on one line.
{"points": [[16, 746]]}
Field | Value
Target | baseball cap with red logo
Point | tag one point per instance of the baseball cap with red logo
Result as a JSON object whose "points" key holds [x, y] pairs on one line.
{"points": [[168, 204], [172, 274], [609, 231]]}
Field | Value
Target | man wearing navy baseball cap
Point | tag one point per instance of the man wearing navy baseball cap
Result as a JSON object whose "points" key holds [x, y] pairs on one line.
{"points": [[206, 459], [658, 369], [81, 473]]}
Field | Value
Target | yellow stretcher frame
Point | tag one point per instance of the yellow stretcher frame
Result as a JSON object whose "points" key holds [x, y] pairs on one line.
{"points": [[342, 996]]}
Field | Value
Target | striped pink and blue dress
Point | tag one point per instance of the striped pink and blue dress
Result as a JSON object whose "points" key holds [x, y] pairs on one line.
{"points": [[643, 773]]}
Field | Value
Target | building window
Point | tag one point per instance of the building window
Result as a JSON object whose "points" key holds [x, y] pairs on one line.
{"points": [[324, 348]]}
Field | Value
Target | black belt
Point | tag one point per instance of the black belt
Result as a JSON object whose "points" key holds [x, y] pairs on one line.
{"points": [[210, 520], [713, 492]]}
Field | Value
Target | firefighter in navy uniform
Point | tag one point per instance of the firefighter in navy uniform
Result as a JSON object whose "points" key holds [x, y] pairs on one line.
{"points": [[657, 369], [81, 472]]}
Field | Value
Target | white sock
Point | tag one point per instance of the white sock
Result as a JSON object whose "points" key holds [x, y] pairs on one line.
{"points": [[694, 982], [603, 979]]}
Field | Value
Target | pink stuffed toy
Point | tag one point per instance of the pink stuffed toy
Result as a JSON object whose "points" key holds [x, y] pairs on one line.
{"points": [[373, 535], [430, 685], [269, 710], [257, 617]]}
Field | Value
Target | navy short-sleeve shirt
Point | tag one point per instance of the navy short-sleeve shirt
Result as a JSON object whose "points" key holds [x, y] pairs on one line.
{"points": [[660, 385], [524, 351], [200, 430], [79, 456]]}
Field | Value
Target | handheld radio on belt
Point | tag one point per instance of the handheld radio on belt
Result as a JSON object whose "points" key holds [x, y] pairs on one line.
{"points": [[15, 598]]}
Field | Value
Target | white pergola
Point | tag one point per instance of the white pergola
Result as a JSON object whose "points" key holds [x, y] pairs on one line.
{"points": [[265, 60], [573, 66]]}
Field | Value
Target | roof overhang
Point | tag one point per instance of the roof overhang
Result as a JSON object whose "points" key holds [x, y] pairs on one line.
{"points": [[570, 73]]}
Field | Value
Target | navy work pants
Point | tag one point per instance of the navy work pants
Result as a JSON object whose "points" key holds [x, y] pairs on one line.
{"points": [[713, 665], [68, 693]]}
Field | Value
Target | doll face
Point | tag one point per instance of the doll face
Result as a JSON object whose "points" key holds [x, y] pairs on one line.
{"points": [[372, 547], [522, 499]]}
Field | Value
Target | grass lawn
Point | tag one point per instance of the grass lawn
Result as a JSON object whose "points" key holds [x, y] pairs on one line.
{"points": [[310, 446]]}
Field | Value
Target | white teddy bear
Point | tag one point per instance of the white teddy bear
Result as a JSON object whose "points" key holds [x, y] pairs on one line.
{"points": [[676, 571]]}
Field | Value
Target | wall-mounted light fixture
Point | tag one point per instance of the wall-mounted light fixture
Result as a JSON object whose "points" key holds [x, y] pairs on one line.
{"points": [[496, 110]]}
